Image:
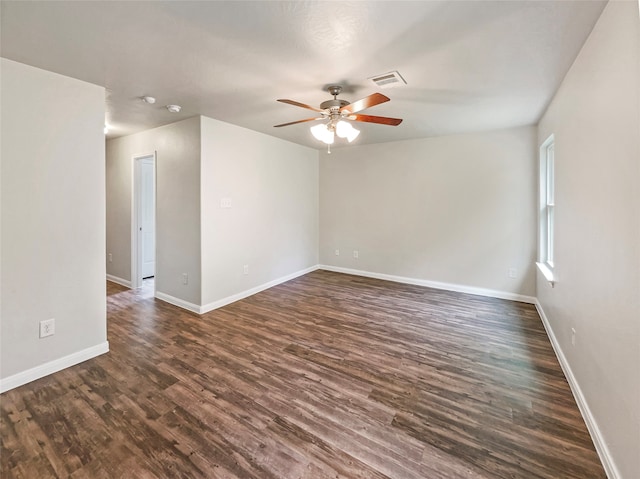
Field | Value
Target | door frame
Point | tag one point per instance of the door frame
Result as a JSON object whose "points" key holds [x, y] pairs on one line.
{"points": [[136, 216]]}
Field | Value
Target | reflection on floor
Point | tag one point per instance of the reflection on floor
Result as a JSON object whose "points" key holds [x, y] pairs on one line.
{"points": [[148, 287], [147, 290]]}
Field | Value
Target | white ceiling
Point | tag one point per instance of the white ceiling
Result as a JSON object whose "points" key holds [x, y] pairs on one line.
{"points": [[469, 66]]}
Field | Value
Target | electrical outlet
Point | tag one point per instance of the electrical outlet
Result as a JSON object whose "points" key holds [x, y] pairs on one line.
{"points": [[110, 258], [245, 269], [573, 336], [47, 327], [337, 252], [185, 278], [513, 273], [225, 203], [355, 253]]}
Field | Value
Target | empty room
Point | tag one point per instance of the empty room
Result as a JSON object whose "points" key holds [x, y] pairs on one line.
{"points": [[320, 239]]}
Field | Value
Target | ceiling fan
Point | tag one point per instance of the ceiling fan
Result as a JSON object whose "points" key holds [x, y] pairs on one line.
{"points": [[336, 112]]}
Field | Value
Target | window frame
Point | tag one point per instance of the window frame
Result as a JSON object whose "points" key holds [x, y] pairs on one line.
{"points": [[546, 249]]}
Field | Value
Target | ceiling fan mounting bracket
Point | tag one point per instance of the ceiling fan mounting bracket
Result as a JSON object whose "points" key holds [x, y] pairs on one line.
{"points": [[334, 90], [334, 104]]}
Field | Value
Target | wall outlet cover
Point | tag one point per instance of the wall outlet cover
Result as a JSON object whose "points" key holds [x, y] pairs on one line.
{"points": [[47, 327]]}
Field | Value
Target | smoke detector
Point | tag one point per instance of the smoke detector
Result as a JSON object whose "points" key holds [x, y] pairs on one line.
{"points": [[388, 80], [148, 99], [174, 108]]}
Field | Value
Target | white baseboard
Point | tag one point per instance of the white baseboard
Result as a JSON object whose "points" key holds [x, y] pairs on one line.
{"points": [[598, 440], [114, 279], [434, 284], [250, 292], [51, 367], [195, 308]]}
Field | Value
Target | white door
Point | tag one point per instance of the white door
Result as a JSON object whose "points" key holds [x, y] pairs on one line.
{"points": [[148, 217]]}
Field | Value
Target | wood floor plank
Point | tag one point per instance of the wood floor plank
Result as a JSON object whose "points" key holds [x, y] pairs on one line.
{"points": [[325, 376]]}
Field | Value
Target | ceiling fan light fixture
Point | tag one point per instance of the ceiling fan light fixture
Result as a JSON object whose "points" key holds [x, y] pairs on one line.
{"points": [[338, 113], [318, 131], [344, 129], [329, 138], [353, 134], [322, 133]]}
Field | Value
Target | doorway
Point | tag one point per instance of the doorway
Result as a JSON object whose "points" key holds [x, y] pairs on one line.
{"points": [[143, 238]]}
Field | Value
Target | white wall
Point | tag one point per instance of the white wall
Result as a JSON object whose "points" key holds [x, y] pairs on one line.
{"points": [[177, 205], [594, 117], [53, 219], [456, 209], [272, 225]]}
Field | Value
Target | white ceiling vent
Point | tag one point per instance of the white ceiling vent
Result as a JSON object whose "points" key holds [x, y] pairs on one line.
{"points": [[388, 80]]}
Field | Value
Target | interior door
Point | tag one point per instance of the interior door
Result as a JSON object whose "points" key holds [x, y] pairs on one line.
{"points": [[148, 217]]}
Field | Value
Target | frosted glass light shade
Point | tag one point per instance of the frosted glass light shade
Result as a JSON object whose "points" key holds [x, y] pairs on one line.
{"points": [[318, 131], [344, 129], [353, 134], [329, 137], [322, 133]]}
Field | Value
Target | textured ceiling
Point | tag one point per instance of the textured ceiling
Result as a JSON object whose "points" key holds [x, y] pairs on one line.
{"points": [[469, 66]]}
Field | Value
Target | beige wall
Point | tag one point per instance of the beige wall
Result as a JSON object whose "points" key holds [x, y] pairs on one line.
{"points": [[456, 209], [53, 203], [272, 225], [119, 184], [177, 205], [594, 117]]}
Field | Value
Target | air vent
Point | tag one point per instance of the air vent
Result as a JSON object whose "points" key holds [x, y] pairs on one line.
{"points": [[388, 80]]}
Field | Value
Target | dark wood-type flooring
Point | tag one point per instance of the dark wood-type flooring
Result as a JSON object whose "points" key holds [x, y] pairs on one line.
{"points": [[326, 376]]}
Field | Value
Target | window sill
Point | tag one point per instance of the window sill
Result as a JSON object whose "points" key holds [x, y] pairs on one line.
{"points": [[547, 273]]}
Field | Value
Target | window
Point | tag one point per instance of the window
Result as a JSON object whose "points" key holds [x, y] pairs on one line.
{"points": [[547, 205]]}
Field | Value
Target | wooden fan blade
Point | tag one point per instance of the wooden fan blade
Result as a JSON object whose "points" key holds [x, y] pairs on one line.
{"points": [[299, 121], [367, 102], [383, 120], [302, 105]]}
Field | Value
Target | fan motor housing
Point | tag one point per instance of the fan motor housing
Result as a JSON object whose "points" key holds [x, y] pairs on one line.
{"points": [[335, 103]]}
